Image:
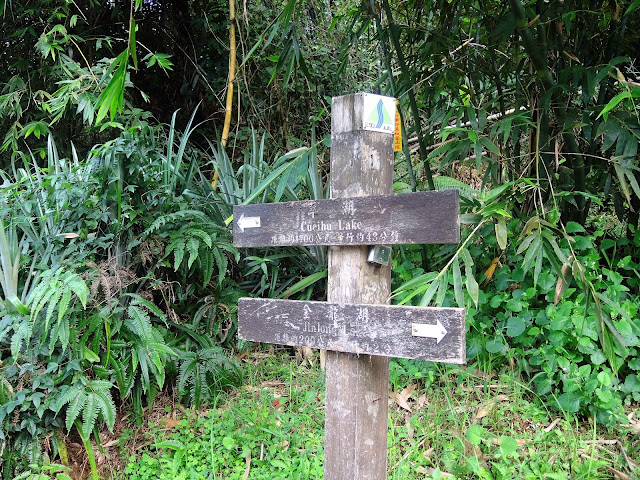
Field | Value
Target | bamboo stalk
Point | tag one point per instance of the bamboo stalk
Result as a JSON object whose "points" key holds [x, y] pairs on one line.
{"points": [[230, 81], [232, 72], [539, 61], [412, 98]]}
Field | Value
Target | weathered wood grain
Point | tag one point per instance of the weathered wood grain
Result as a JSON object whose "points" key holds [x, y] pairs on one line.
{"points": [[356, 414], [355, 328], [421, 217]]}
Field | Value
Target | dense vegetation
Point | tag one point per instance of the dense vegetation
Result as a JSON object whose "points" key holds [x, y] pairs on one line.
{"points": [[119, 170]]}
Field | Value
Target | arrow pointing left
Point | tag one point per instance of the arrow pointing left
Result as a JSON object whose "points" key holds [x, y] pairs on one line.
{"points": [[248, 222]]}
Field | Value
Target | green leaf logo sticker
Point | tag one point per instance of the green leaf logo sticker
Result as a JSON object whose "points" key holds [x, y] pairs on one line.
{"points": [[377, 115]]}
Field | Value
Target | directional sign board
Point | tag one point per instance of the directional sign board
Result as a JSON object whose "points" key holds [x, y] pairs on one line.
{"points": [[427, 333], [421, 217]]}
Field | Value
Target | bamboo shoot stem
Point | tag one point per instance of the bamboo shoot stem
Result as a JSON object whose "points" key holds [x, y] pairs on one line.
{"points": [[230, 82]]}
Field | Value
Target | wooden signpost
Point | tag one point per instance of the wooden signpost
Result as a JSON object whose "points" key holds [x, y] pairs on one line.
{"points": [[356, 327], [382, 219], [389, 330]]}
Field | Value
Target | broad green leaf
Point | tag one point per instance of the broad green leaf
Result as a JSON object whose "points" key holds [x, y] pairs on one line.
{"points": [[515, 326], [495, 346], [476, 433], [229, 443], [508, 445], [570, 402]]}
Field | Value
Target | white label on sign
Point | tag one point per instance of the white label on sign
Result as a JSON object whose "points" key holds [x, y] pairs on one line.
{"points": [[436, 331], [379, 113], [248, 222]]}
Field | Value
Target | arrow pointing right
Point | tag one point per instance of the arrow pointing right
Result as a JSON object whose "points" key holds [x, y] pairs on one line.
{"points": [[436, 331]]}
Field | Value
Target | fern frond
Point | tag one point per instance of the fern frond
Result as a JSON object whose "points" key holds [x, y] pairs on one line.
{"points": [[177, 246], [187, 366], [197, 233], [221, 261], [206, 267], [201, 373], [182, 216], [53, 303], [138, 323], [150, 306], [230, 249], [48, 291], [78, 286], [449, 183], [64, 304], [68, 393], [89, 414], [105, 404], [124, 382], [61, 331], [20, 334], [193, 246], [76, 404], [142, 360]]}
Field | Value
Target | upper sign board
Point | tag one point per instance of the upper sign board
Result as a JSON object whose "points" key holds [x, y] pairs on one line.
{"points": [[410, 218], [379, 113]]}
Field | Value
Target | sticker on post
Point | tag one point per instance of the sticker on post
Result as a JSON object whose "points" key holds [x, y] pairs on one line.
{"points": [[379, 113]]}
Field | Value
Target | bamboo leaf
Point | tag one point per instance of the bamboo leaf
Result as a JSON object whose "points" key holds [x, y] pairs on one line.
{"points": [[431, 291], [562, 258], [613, 103], [442, 289], [457, 283], [472, 285], [132, 42], [304, 283], [538, 266], [501, 232], [532, 251]]}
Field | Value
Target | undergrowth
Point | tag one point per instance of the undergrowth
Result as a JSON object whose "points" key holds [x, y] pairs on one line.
{"points": [[445, 422]]}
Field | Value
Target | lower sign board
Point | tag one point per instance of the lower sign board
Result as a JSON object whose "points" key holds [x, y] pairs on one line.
{"points": [[427, 333], [420, 217]]}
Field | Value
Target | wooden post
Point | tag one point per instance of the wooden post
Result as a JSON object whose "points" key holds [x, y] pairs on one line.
{"points": [[357, 387]]}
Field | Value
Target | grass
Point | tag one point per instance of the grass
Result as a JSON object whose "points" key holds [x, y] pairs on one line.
{"points": [[444, 422]]}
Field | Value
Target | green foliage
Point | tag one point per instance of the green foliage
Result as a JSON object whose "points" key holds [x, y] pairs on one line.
{"points": [[205, 372], [578, 346], [191, 232], [89, 400], [272, 436], [80, 329], [292, 176], [50, 471]]}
